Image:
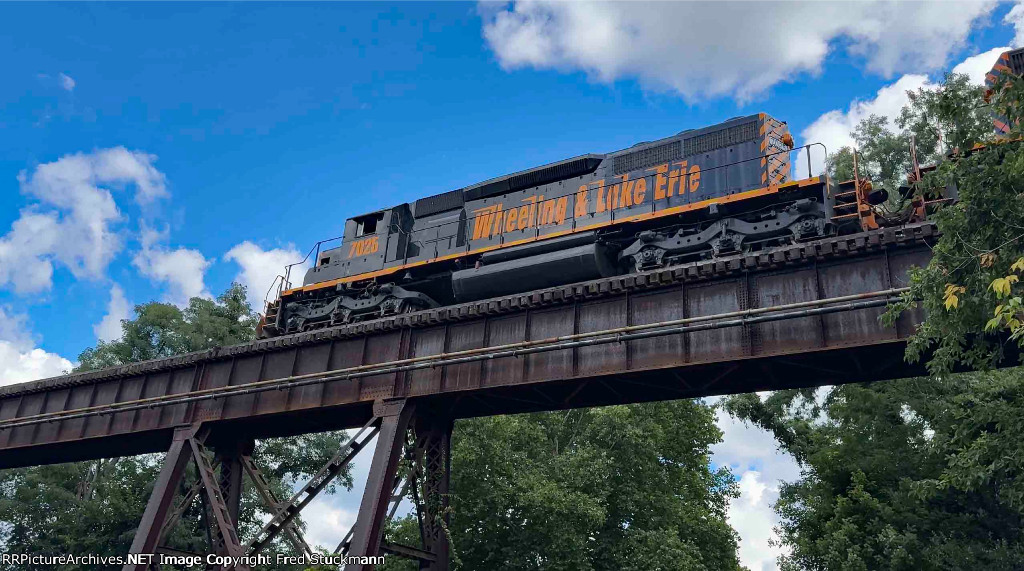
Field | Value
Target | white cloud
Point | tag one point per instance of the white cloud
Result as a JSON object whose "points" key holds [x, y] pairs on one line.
{"points": [[182, 270], [753, 456], [707, 49], [118, 309], [66, 82], [326, 524], [20, 361], [23, 366], [14, 330], [834, 128], [753, 518], [978, 65], [71, 222], [259, 268], [1015, 17]]}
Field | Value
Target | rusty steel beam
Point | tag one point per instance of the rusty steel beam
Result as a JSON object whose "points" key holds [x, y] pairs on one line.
{"points": [[147, 536], [380, 483], [271, 501], [175, 515], [227, 541], [707, 328], [230, 460], [603, 337]]}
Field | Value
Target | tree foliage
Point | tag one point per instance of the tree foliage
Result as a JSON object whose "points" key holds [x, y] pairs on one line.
{"points": [[979, 244], [970, 289], [952, 118], [163, 330], [94, 507], [949, 117], [919, 474], [839, 165], [620, 487], [925, 473], [883, 154]]}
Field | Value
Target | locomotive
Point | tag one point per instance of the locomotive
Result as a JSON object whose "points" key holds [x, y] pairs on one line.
{"points": [[703, 193]]}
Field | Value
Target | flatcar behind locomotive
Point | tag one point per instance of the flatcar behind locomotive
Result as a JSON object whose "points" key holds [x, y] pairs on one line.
{"points": [[701, 193]]}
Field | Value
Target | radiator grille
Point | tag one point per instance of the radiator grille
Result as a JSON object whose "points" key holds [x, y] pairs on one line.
{"points": [[439, 203], [648, 157], [534, 177], [720, 139], [561, 171], [1017, 62]]}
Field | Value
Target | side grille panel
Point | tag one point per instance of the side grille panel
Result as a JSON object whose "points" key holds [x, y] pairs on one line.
{"points": [[720, 139], [439, 203], [648, 157]]}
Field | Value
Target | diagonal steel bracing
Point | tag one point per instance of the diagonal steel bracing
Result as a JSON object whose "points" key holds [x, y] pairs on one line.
{"points": [[366, 535], [401, 429], [147, 536], [398, 494], [228, 541], [424, 438], [172, 518], [162, 514], [290, 509], [270, 500]]}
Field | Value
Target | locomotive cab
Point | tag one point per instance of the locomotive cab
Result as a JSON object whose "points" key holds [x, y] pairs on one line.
{"points": [[364, 248]]}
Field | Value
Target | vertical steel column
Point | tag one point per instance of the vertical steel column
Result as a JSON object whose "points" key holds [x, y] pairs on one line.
{"points": [[433, 442], [369, 527], [148, 534]]}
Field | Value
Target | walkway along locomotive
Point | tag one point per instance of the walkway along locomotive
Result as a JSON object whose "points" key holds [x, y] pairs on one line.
{"points": [[702, 193]]}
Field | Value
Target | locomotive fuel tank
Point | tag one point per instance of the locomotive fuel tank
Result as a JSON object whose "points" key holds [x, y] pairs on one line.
{"points": [[552, 262]]}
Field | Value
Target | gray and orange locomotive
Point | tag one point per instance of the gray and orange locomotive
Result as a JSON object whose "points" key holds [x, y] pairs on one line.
{"points": [[703, 193]]}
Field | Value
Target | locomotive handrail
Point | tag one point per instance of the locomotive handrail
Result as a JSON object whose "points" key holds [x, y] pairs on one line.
{"points": [[266, 297], [286, 278]]}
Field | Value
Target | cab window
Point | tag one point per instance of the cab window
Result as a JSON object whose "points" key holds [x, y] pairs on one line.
{"points": [[368, 224]]}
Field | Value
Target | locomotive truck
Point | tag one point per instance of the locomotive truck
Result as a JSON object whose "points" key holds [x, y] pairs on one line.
{"points": [[704, 193]]}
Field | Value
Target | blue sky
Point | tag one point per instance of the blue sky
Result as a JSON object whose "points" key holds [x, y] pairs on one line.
{"points": [[259, 128], [275, 123]]}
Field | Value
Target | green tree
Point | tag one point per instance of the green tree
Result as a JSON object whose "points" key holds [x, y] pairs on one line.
{"points": [[953, 117], [94, 507], [925, 473], [973, 275], [619, 487], [919, 474], [882, 154], [940, 119], [839, 165], [971, 287], [163, 330]]}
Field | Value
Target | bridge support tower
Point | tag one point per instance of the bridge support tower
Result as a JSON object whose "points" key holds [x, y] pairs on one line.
{"points": [[411, 460]]}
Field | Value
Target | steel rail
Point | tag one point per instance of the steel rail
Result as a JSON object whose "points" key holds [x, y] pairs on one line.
{"points": [[616, 335]]}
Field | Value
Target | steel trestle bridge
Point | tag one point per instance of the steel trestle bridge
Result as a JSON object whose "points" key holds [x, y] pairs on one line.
{"points": [[795, 316]]}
